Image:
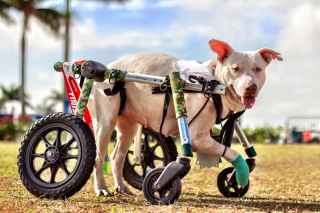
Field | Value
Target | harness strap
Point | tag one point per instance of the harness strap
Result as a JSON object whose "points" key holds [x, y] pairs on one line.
{"points": [[224, 134], [215, 98], [165, 104], [81, 81], [118, 87]]}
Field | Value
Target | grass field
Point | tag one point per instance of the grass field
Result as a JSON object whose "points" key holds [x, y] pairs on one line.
{"points": [[286, 179]]}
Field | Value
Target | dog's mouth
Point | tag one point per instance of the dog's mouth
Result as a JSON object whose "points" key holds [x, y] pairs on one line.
{"points": [[245, 101]]}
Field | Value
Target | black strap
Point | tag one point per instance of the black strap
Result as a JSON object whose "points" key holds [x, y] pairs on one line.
{"points": [[230, 121], [157, 90], [118, 87], [199, 111], [216, 99], [165, 110], [81, 81], [224, 152], [167, 98]]}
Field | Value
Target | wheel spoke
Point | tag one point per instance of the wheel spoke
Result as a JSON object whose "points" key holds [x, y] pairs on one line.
{"points": [[131, 166], [130, 152], [67, 144], [151, 164], [35, 155], [153, 157], [57, 142], [62, 166], [54, 169], [146, 142], [44, 166], [151, 150], [163, 193], [144, 169], [66, 156], [44, 139]]}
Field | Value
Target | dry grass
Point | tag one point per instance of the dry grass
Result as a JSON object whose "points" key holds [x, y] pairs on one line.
{"points": [[286, 179]]}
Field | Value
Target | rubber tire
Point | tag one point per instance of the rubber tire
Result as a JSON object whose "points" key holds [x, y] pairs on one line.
{"points": [[221, 182], [154, 174], [80, 174], [170, 153]]}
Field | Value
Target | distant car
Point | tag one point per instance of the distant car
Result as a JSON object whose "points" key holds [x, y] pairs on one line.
{"points": [[309, 136]]}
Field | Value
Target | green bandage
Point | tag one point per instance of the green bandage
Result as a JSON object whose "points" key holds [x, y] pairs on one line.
{"points": [[242, 171]]}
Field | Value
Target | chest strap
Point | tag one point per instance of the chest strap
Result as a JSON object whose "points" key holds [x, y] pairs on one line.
{"points": [[215, 98], [118, 87]]}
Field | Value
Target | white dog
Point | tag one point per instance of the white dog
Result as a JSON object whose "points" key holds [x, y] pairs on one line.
{"points": [[242, 72]]}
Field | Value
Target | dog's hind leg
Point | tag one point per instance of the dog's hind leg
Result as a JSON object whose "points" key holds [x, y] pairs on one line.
{"points": [[104, 111], [126, 130]]}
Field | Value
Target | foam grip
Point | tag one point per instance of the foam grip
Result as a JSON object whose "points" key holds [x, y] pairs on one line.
{"points": [[242, 171]]}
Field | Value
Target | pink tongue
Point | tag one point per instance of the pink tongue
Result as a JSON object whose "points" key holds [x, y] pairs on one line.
{"points": [[248, 102]]}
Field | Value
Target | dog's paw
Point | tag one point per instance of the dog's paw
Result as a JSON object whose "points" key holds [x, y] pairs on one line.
{"points": [[123, 189], [103, 192]]}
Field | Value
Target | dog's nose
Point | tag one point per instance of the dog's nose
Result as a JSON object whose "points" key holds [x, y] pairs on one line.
{"points": [[251, 90]]}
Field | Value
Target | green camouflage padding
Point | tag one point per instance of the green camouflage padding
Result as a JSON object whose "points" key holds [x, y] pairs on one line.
{"points": [[177, 85], [58, 66], [84, 98], [121, 75]]}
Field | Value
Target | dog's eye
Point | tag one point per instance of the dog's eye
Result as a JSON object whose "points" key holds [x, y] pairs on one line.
{"points": [[236, 69], [258, 69]]}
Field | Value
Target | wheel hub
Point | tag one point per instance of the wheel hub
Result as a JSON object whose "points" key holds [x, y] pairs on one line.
{"points": [[142, 157], [52, 154]]}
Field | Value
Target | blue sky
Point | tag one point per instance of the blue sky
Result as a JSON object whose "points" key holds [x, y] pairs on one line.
{"points": [[106, 32]]}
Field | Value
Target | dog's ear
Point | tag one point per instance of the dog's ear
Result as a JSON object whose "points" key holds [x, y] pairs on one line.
{"points": [[222, 49], [268, 55]]}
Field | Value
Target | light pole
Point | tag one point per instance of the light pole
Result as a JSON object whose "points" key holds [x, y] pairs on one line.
{"points": [[66, 52]]}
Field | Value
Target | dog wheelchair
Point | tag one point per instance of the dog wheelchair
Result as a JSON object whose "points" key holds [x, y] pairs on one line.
{"points": [[64, 144]]}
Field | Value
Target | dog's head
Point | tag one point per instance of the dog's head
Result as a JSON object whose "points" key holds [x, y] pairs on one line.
{"points": [[242, 72]]}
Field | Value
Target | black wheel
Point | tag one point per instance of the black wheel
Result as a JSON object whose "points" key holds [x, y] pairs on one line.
{"points": [[57, 156], [154, 153], [164, 197], [230, 190]]}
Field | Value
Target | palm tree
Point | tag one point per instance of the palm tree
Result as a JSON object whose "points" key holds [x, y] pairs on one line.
{"points": [[11, 93], [55, 96], [45, 108], [4, 8], [49, 17], [66, 40]]}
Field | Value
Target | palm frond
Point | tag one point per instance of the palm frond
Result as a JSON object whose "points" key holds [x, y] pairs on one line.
{"points": [[50, 18], [4, 8], [55, 96]]}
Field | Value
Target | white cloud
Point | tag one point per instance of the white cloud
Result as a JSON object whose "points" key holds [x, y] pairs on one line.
{"points": [[292, 86], [200, 5], [131, 5], [9, 36]]}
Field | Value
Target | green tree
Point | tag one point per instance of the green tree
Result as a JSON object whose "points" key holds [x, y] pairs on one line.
{"points": [[49, 103], [68, 16], [4, 9], [49, 17], [11, 93], [45, 108]]}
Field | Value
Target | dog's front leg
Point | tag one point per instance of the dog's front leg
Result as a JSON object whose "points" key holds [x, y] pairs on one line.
{"points": [[203, 143]]}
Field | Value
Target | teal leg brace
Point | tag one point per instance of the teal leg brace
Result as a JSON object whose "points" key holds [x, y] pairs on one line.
{"points": [[242, 171]]}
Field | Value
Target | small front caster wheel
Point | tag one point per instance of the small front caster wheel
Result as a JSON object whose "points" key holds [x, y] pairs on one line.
{"points": [[226, 187], [164, 197]]}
